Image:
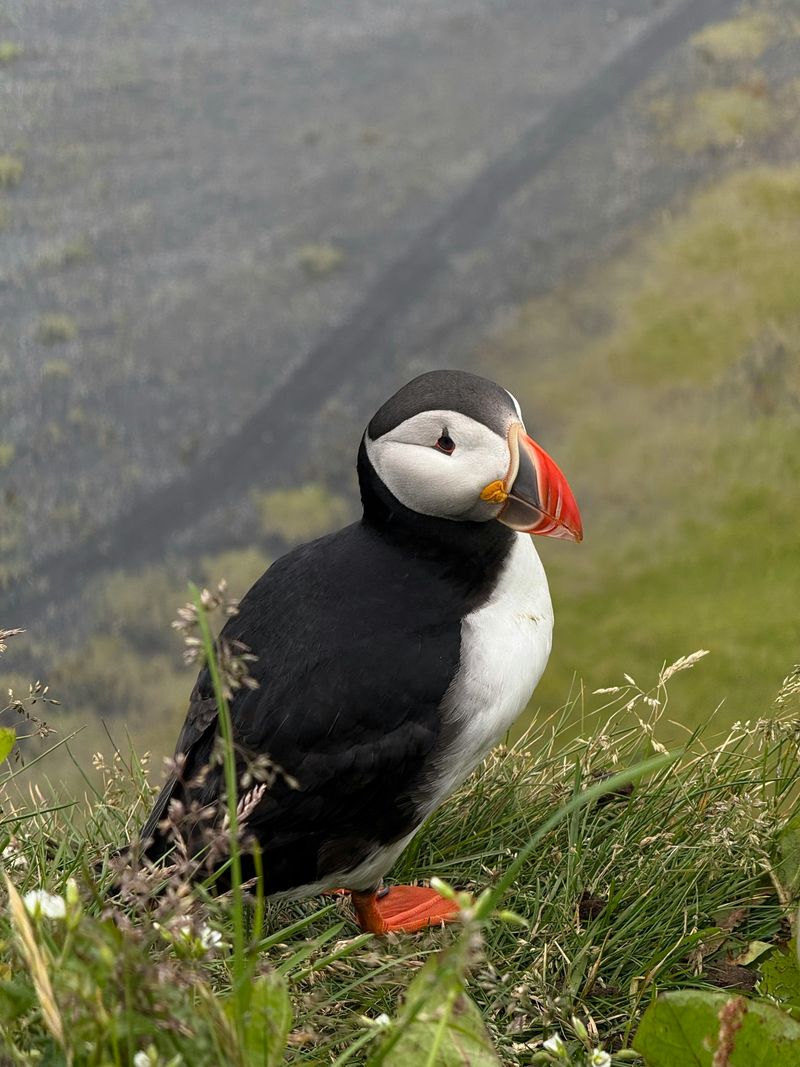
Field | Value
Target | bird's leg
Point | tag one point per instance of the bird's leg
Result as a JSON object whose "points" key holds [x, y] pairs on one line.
{"points": [[402, 909]]}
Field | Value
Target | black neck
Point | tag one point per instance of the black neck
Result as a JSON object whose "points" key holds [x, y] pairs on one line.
{"points": [[469, 553]]}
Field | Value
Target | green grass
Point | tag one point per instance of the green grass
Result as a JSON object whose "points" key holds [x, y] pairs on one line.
{"points": [[7, 453], [303, 513], [609, 901], [11, 171], [742, 38], [55, 329], [678, 418], [720, 117], [9, 51], [319, 260]]}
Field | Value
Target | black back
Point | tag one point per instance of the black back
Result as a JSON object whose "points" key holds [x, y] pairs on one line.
{"points": [[358, 638]]}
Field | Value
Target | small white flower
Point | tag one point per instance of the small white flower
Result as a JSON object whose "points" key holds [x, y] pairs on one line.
{"points": [[383, 1020], [554, 1044], [210, 938], [39, 902], [141, 1059], [13, 856], [600, 1058]]}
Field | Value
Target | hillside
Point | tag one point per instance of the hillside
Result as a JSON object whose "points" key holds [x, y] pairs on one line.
{"points": [[659, 362]]}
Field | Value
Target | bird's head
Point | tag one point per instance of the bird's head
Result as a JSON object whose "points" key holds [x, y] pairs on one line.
{"points": [[452, 445]]}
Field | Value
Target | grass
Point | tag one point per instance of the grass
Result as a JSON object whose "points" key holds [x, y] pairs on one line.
{"points": [[593, 894], [7, 453], [9, 51], [56, 329], [56, 370], [744, 38], [303, 513], [319, 260], [11, 171], [675, 372], [67, 254], [721, 117]]}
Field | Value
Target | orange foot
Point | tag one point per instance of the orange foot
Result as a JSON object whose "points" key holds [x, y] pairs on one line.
{"points": [[402, 909]]}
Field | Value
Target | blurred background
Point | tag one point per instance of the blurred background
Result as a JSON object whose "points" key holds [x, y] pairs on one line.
{"points": [[229, 231]]}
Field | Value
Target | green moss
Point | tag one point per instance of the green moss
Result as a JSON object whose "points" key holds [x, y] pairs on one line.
{"points": [[743, 38], [718, 118], [319, 260], [9, 51], [54, 329], [303, 513], [7, 453], [11, 171]]}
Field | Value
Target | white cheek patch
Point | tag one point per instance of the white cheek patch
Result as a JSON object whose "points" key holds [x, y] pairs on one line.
{"points": [[430, 482]]}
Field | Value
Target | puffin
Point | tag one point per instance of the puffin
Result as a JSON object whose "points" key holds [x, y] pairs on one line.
{"points": [[391, 655]]}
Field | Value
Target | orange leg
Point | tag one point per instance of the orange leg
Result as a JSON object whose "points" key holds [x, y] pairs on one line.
{"points": [[402, 909]]}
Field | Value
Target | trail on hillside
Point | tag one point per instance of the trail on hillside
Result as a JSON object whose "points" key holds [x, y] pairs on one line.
{"points": [[270, 440]]}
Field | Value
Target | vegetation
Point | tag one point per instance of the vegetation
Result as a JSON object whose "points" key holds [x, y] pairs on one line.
{"points": [[633, 875], [56, 329], [7, 453], [648, 918], [695, 381], [319, 260], [11, 171], [718, 118], [9, 51], [742, 38], [303, 513], [55, 257], [56, 370]]}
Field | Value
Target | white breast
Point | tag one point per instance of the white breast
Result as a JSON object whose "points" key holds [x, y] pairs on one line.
{"points": [[504, 649], [505, 646]]}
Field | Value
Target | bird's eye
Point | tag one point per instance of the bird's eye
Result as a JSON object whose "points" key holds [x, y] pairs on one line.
{"points": [[446, 444]]}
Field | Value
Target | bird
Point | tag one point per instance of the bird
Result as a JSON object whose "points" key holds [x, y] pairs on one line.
{"points": [[391, 655]]}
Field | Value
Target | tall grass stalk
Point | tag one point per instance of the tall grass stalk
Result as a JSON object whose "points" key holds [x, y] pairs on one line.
{"points": [[241, 969]]}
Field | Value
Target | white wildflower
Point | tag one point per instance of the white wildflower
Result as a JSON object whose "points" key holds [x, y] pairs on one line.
{"points": [[380, 1022], [13, 856], [39, 902], [210, 938], [600, 1058], [554, 1044], [141, 1059]]}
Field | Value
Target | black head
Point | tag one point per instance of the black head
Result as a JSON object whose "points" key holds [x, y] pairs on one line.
{"points": [[451, 446]]}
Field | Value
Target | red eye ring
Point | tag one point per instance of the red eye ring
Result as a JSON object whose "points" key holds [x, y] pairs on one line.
{"points": [[446, 444]]}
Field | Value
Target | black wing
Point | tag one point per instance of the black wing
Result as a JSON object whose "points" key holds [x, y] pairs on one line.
{"points": [[356, 646]]}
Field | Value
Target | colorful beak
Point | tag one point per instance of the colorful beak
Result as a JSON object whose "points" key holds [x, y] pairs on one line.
{"points": [[539, 499]]}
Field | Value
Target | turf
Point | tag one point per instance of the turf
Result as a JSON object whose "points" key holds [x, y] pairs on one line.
{"points": [[658, 885]]}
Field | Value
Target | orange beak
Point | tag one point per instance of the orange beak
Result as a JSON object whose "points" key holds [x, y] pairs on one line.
{"points": [[539, 500]]}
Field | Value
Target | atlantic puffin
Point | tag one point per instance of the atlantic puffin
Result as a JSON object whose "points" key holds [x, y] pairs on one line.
{"points": [[393, 654]]}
